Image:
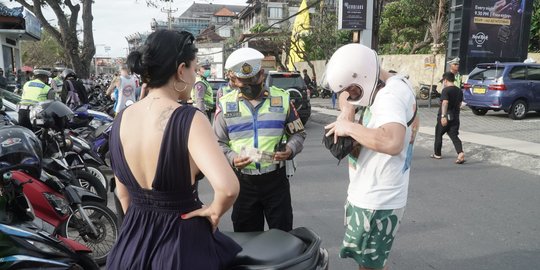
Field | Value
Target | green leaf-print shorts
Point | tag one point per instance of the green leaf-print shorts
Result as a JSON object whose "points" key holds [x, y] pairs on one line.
{"points": [[369, 235]]}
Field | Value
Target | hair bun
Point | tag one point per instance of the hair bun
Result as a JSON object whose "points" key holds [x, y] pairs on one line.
{"points": [[135, 63]]}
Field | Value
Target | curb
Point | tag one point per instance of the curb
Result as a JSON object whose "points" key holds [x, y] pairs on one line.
{"points": [[520, 161]]}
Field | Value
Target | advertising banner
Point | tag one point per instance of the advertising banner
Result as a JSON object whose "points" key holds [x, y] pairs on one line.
{"points": [[495, 28], [352, 14], [32, 25]]}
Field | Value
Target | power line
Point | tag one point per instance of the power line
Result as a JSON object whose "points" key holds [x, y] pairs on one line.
{"points": [[268, 28]]}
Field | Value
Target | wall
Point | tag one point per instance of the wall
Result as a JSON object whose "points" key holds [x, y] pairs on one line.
{"points": [[412, 65]]}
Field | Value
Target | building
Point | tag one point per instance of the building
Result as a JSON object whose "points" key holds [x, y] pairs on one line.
{"points": [[16, 24]]}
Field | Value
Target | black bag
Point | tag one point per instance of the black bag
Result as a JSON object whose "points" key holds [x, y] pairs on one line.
{"points": [[341, 149]]}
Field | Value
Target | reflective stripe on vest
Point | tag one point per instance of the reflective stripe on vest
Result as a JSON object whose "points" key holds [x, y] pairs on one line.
{"points": [[208, 93], [262, 129], [34, 91]]}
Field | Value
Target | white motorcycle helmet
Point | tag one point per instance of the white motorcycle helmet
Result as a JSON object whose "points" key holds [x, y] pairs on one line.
{"points": [[354, 64]]}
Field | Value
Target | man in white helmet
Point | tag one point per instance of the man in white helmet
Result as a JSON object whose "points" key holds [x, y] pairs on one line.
{"points": [[258, 129], [379, 165]]}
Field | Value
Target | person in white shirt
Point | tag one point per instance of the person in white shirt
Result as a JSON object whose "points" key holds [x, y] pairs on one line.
{"points": [[379, 164]]}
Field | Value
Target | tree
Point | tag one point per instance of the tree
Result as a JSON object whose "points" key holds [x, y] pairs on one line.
{"points": [[79, 55], [44, 53], [405, 26], [534, 43]]}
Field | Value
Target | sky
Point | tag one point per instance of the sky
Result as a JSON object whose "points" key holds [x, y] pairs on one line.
{"points": [[116, 19]]}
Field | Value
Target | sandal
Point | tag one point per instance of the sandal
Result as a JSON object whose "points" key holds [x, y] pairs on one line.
{"points": [[435, 157], [460, 160]]}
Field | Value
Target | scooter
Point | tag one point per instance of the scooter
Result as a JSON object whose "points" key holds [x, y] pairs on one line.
{"points": [[424, 92], [27, 247], [326, 93], [299, 249]]}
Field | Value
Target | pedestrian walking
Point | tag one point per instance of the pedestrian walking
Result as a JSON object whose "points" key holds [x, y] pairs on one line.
{"points": [[448, 117], [3, 80], [124, 90], [334, 98], [158, 147], [258, 129], [379, 167]]}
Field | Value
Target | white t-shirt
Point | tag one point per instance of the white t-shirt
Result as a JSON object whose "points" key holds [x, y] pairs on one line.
{"points": [[379, 181]]}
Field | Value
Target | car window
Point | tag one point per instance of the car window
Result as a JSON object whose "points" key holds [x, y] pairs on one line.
{"points": [[533, 73], [486, 72], [286, 81], [518, 73]]}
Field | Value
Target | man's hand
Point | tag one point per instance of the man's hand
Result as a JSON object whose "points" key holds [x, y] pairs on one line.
{"points": [[340, 128], [444, 121], [280, 156], [347, 110], [241, 162]]}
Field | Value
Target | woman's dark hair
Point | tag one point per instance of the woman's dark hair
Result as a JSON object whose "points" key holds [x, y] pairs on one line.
{"points": [[158, 59]]}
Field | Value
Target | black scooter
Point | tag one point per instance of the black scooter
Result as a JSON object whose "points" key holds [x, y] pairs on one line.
{"points": [[424, 92]]}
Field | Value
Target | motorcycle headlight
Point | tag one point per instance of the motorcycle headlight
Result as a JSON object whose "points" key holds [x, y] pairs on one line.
{"points": [[59, 204]]}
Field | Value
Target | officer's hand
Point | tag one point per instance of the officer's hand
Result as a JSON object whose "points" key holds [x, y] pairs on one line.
{"points": [[206, 212], [280, 156], [241, 162]]}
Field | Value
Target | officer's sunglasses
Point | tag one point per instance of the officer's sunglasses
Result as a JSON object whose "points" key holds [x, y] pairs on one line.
{"points": [[188, 40]]}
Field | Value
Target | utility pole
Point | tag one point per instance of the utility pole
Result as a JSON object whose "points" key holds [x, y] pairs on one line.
{"points": [[169, 12]]}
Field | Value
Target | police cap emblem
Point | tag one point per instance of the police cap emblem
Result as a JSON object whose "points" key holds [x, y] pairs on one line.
{"points": [[247, 68]]}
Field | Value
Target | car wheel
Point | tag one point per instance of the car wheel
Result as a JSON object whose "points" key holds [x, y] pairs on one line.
{"points": [[479, 111], [518, 110]]}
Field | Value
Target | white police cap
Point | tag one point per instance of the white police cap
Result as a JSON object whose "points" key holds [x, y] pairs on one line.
{"points": [[244, 62], [42, 72], [454, 61]]}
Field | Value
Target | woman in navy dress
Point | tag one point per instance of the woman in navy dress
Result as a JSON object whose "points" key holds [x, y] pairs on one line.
{"points": [[158, 147]]}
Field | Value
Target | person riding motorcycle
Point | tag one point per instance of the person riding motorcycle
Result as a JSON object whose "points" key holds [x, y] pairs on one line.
{"points": [[73, 91], [34, 91]]}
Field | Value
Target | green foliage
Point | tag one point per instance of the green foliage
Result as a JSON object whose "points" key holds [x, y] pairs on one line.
{"points": [[43, 53], [324, 38], [405, 23], [258, 28], [534, 41]]}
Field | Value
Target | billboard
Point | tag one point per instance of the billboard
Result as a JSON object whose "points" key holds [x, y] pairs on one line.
{"points": [[352, 14], [494, 30]]}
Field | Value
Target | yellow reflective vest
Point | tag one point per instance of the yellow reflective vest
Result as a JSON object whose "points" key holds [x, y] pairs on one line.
{"points": [[262, 128], [208, 94], [34, 91]]}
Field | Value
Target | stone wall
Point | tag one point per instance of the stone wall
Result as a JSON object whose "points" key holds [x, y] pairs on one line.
{"points": [[412, 65]]}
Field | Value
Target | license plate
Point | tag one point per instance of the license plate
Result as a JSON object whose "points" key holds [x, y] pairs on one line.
{"points": [[479, 90]]}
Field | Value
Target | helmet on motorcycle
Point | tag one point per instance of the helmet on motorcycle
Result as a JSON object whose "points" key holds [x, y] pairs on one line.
{"points": [[68, 73], [51, 114], [354, 65], [20, 149]]}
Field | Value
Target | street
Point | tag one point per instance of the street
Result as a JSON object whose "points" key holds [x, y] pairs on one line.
{"points": [[472, 216]]}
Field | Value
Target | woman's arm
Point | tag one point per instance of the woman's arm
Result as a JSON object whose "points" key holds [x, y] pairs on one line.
{"points": [[122, 194], [209, 158]]}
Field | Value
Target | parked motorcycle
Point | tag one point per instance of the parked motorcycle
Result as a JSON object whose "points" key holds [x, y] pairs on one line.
{"points": [[424, 92], [326, 93], [299, 249], [27, 247], [51, 118]]}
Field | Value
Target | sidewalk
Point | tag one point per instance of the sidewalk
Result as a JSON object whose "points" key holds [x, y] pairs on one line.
{"points": [[494, 137]]}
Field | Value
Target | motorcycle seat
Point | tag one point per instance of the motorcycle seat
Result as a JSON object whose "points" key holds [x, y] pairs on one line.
{"points": [[271, 247]]}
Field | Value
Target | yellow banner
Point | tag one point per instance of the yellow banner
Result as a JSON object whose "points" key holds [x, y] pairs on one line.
{"points": [[497, 21]]}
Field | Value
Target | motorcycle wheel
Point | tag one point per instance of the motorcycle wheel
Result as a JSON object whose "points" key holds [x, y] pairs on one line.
{"points": [[94, 170], [89, 182], [86, 263], [105, 221]]}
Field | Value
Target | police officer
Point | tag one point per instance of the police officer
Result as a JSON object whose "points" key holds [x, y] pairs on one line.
{"points": [[258, 130], [202, 95], [224, 89], [56, 81], [34, 91], [454, 68]]}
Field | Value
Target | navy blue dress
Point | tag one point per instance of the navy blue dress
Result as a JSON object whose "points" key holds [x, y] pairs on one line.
{"points": [[153, 236]]}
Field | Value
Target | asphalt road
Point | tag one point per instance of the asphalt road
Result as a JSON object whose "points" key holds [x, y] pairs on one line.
{"points": [[471, 216]]}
